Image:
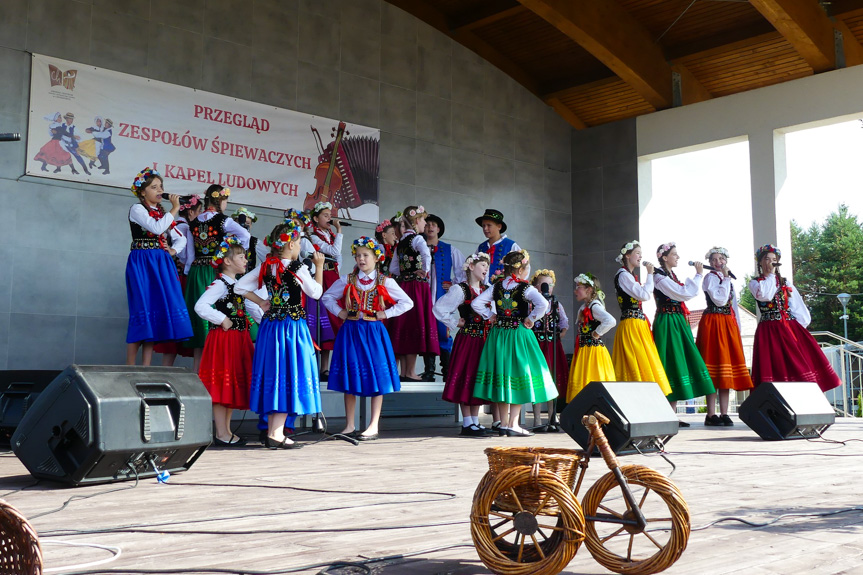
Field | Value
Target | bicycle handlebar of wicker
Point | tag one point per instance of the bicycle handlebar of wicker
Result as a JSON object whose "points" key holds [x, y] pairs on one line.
{"points": [[594, 424]]}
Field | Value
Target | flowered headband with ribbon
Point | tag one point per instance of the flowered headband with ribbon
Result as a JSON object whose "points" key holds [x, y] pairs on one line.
{"points": [[418, 211], [368, 243], [588, 279], [222, 252], [549, 273], [245, 212], [716, 250], [294, 214], [193, 201], [525, 261], [397, 218], [142, 177], [291, 234], [321, 206], [626, 248], [382, 226], [767, 249], [219, 194], [664, 249], [475, 259]]}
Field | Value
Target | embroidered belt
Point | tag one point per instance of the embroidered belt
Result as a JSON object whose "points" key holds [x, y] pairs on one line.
{"points": [[775, 315], [146, 244], [203, 261], [473, 329], [238, 325], [670, 308], [509, 322], [589, 341], [283, 312], [355, 316], [412, 277], [632, 314], [722, 310], [542, 336], [330, 266]]}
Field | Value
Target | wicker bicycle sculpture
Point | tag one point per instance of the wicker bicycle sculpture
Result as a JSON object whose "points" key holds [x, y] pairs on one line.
{"points": [[526, 520]]}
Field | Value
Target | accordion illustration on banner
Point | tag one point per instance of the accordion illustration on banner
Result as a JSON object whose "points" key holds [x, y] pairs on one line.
{"points": [[352, 179]]}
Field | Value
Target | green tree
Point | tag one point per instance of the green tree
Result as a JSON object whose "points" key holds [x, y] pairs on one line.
{"points": [[747, 300], [828, 259]]}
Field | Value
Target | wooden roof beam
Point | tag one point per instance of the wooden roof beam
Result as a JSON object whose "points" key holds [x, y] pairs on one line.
{"points": [[566, 113], [484, 15], [806, 27]]}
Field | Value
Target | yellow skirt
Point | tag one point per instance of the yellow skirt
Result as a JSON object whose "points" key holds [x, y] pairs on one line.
{"points": [[87, 148], [591, 363], [634, 355]]}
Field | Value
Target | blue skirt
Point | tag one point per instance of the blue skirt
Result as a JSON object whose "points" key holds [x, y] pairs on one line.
{"points": [[285, 370], [363, 362], [157, 310]]}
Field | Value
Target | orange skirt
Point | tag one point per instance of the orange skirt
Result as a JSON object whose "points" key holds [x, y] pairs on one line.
{"points": [[720, 345]]}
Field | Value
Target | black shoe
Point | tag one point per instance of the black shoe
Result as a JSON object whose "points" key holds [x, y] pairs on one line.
{"points": [[682, 424], [92, 163], [236, 441], [371, 437], [472, 431], [427, 376], [515, 433], [262, 437], [86, 171], [74, 172], [540, 429], [726, 421], [553, 428], [273, 444], [712, 421], [325, 375], [44, 169], [57, 171], [105, 173]]}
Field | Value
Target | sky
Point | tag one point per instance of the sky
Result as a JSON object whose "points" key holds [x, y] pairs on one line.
{"points": [[701, 199]]}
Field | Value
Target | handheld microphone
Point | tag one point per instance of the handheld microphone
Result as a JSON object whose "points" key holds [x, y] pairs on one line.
{"points": [[346, 224], [711, 268], [777, 264], [544, 289], [10, 137]]}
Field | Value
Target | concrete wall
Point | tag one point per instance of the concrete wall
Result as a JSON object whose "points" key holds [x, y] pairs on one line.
{"points": [[457, 136]]}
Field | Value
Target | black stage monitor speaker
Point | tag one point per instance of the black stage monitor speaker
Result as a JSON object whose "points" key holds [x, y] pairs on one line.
{"points": [[641, 418], [787, 410], [96, 424], [18, 390]]}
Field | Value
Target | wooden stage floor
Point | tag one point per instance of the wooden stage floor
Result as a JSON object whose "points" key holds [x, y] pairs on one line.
{"points": [[254, 510]]}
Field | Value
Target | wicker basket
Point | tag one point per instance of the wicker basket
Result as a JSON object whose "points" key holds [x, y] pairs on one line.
{"points": [[20, 553], [561, 462]]}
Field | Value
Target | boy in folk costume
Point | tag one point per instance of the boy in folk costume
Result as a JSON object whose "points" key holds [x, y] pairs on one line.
{"points": [[496, 245]]}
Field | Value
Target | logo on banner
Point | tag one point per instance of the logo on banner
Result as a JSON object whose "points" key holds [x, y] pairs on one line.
{"points": [[61, 78]]}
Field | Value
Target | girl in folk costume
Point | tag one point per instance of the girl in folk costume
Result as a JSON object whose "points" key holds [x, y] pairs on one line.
{"points": [[190, 208], [205, 235], [634, 355], [416, 331], [549, 330], [156, 308], [591, 361], [326, 235], [226, 364], [512, 369], [719, 338], [385, 234], [684, 366], [302, 219], [453, 310], [53, 152], [363, 361], [284, 373], [784, 350], [256, 250]]}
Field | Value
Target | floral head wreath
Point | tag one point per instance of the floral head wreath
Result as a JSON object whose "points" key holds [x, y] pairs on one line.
{"points": [[194, 200], [382, 226], [589, 279], [767, 249], [321, 206], [222, 251], [219, 194], [664, 249], [524, 262], [627, 248], [418, 211], [368, 243], [291, 234], [397, 218], [294, 214], [475, 259], [716, 250], [142, 177], [549, 273], [245, 212]]}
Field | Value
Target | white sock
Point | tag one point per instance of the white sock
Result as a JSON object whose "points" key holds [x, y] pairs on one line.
{"points": [[473, 420], [466, 422]]}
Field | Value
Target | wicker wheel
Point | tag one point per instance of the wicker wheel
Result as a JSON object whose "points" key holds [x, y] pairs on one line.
{"points": [[625, 549], [528, 539], [20, 553]]}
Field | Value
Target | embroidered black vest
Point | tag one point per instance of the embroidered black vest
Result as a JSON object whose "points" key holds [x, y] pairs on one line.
{"points": [[630, 308], [665, 304], [772, 310], [586, 328], [511, 306], [233, 306], [474, 324], [207, 237], [713, 307], [552, 320], [410, 261], [143, 239], [286, 298], [367, 298]]}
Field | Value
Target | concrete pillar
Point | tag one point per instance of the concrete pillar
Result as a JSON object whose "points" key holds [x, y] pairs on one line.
{"points": [[767, 173]]}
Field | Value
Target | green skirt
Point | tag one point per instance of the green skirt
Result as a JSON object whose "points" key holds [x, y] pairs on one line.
{"points": [[682, 361], [512, 368], [200, 277]]}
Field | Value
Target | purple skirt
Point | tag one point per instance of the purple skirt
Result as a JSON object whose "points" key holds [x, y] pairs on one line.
{"points": [[415, 331], [463, 363]]}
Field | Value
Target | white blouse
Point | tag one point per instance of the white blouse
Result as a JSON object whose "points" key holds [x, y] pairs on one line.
{"points": [[333, 250], [249, 282], [630, 285], [720, 289], [674, 290], [445, 309], [419, 244], [141, 216], [216, 291], [606, 320], [765, 290], [334, 297], [531, 294], [232, 228]]}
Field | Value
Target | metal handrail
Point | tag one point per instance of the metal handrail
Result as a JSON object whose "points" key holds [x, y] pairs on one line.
{"points": [[846, 357]]}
